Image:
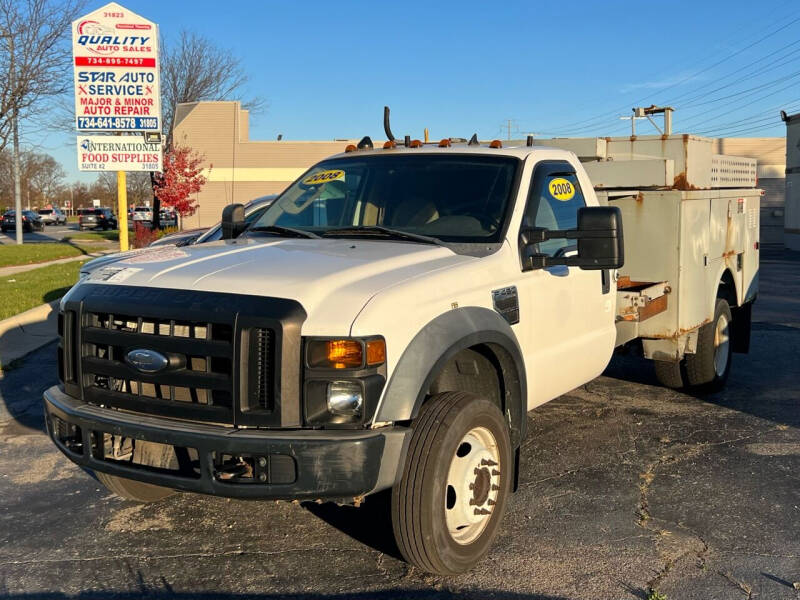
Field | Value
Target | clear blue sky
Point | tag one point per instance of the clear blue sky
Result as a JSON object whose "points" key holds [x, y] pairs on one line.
{"points": [[566, 68]]}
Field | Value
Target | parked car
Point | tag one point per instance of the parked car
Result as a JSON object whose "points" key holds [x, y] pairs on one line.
{"points": [[168, 218], [252, 210], [30, 221], [52, 216], [97, 218], [142, 213]]}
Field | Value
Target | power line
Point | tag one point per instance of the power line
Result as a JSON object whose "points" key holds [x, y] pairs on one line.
{"points": [[593, 121]]}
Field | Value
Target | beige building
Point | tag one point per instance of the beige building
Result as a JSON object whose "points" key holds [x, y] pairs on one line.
{"points": [[239, 169]]}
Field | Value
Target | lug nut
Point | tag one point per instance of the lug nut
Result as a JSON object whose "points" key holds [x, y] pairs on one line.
{"points": [[495, 487], [488, 463]]}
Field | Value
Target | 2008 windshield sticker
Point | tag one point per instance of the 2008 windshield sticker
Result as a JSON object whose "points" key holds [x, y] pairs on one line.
{"points": [[323, 177], [561, 189]]}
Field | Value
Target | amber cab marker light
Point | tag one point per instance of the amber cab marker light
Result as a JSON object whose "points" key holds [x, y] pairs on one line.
{"points": [[376, 352], [350, 148], [344, 354], [445, 143], [496, 144], [416, 144], [389, 144]]}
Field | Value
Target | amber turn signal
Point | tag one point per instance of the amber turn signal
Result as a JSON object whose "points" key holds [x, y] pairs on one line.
{"points": [[344, 354], [350, 148], [376, 352]]}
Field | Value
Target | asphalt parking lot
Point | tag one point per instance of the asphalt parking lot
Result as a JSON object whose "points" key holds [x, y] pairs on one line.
{"points": [[625, 486], [51, 233]]}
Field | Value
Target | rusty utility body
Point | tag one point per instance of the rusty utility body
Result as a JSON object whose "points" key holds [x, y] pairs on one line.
{"points": [[691, 224]]}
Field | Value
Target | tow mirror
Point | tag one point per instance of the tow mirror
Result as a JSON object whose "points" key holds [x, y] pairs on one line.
{"points": [[232, 221], [599, 236]]}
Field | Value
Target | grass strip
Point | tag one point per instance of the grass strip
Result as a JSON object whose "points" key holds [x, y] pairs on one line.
{"points": [[31, 288], [99, 236], [27, 254]]}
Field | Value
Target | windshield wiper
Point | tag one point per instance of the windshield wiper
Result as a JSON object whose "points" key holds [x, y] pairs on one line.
{"points": [[382, 231], [286, 231]]}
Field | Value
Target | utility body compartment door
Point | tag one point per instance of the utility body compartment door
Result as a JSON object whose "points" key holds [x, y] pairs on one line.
{"points": [[567, 314]]}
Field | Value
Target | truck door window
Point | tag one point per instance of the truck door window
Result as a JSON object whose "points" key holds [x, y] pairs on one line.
{"points": [[553, 203]]}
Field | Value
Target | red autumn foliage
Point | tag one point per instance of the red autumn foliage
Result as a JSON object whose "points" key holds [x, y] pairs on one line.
{"points": [[180, 179]]}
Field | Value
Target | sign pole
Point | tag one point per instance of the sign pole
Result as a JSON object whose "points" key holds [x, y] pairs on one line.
{"points": [[122, 210]]}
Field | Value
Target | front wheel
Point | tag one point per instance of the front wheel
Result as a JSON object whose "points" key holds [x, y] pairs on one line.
{"points": [[448, 506]]}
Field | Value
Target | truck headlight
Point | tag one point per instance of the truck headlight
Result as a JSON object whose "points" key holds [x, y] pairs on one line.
{"points": [[343, 380], [345, 398]]}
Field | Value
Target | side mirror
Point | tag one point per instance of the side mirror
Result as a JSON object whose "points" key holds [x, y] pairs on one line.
{"points": [[600, 242], [232, 221]]}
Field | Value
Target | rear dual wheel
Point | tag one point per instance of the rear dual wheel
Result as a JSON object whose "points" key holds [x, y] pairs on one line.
{"points": [[448, 506], [708, 368]]}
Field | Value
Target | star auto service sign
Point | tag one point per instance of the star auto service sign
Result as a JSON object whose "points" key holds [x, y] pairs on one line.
{"points": [[117, 66]]}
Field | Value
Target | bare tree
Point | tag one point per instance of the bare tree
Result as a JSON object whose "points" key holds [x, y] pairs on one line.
{"points": [[46, 177], [33, 61], [34, 55], [194, 68]]}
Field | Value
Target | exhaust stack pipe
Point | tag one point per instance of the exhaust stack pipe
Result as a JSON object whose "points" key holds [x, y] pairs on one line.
{"points": [[386, 128]]}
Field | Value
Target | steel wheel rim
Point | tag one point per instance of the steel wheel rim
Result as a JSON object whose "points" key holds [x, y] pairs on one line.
{"points": [[722, 341], [473, 485]]}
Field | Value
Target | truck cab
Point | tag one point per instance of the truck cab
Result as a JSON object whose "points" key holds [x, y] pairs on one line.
{"points": [[385, 324]]}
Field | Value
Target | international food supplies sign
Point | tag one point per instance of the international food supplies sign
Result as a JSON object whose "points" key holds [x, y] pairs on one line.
{"points": [[117, 153], [116, 65]]}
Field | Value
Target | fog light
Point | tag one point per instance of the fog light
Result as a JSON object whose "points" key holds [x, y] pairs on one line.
{"points": [[345, 398]]}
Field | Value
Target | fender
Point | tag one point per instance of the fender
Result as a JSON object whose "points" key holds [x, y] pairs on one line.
{"points": [[437, 343]]}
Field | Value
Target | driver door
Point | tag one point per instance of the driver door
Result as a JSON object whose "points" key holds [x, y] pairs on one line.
{"points": [[570, 332]]}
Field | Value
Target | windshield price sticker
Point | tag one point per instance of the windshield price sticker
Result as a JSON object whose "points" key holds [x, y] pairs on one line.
{"points": [[561, 189], [116, 70], [323, 177]]}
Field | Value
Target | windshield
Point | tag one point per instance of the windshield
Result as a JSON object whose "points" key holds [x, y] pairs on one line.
{"points": [[453, 198]]}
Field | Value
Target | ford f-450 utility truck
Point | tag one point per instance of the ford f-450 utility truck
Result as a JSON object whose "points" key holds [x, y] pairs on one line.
{"points": [[389, 321]]}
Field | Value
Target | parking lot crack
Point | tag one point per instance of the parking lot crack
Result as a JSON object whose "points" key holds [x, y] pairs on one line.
{"points": [[745, 587]]}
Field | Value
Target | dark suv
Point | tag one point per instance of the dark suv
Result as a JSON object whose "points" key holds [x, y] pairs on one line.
{"points": [[30, 221], [97, 218]]}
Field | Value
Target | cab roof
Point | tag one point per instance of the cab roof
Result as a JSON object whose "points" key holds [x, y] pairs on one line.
{"points": [[521, 152]]}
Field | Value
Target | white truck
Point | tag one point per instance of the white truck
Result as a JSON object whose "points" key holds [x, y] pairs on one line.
{"points": [[389, 321]]}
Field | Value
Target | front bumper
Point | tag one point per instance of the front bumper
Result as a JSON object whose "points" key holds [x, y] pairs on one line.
{"points": [[340, 465]]}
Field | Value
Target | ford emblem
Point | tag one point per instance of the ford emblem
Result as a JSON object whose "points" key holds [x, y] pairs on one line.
{"points": [[147, 361]]}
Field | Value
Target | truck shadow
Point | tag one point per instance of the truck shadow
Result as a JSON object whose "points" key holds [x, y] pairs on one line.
{"points": [[369, 524]]}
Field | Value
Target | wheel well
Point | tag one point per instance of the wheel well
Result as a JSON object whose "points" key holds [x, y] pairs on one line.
{"points": [[475, 370], [727, 289], [487, 370]]}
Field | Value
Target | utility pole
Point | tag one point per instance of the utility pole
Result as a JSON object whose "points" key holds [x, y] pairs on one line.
{"points": [[15, 137]]}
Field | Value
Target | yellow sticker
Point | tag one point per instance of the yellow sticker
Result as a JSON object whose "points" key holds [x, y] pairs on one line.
{"points": [[561, 189], [323, 177]]}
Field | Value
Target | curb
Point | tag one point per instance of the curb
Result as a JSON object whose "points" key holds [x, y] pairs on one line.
{"points": [[28, 331]]}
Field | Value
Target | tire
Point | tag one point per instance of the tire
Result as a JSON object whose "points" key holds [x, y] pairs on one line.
{"points": [[669, 374], [154, 455], [458, 440], [709, 367]]}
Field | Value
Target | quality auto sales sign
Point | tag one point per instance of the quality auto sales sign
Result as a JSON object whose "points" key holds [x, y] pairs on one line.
{"points": [[116, 66]]}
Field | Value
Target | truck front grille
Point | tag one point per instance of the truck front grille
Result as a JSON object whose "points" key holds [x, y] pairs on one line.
{"points": [[231, 359], [202, 378]]}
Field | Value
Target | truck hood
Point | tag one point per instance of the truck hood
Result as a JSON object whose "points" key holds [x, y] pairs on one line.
{"points": [[331, 278]]}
